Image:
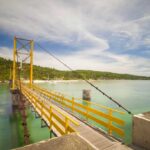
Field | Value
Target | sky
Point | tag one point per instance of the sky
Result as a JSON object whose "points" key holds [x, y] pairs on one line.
{"points": [[102, 35]]}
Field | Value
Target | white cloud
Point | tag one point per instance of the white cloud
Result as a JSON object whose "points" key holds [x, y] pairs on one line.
{"points": [[59, 20], [6, 52], [75, 22], [83, 60]]}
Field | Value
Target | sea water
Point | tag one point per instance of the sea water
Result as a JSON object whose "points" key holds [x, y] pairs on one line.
{"points": [[132, 94]]}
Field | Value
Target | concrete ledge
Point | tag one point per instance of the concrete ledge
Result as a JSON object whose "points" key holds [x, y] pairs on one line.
{"points": [[141, 130], [67, 142]]}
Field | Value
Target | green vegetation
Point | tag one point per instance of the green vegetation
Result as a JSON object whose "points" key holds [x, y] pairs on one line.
{"points": [[44, 73], [5, 69]]}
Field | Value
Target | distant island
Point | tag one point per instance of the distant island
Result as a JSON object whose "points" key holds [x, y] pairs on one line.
{"points": [[45, 73]]}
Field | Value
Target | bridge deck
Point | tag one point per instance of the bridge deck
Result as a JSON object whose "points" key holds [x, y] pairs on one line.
{"points": [[97, 139]]}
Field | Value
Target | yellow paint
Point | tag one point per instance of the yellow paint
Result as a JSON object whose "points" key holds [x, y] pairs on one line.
{"points": [[72, 104], [10, 76], [50, 118], [66, 125], [16, 55], [87, 111], [31, 62], [14, 64], [109, 122]]}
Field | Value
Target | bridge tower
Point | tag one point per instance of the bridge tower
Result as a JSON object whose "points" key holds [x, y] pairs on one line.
{"points": [[22, 47]]}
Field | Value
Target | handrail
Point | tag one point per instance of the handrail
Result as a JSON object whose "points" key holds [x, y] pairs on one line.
{"points": [[34, 100], [105, 107], [80, 99], [87, 111], [65, 115]]}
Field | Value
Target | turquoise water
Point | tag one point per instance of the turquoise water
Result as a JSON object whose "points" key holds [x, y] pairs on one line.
{"points": [[11, 131], [134, 95], [9, 122]]}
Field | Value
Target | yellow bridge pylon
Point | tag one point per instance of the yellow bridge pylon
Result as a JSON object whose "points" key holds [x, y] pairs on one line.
{"points": [[22, 47]]}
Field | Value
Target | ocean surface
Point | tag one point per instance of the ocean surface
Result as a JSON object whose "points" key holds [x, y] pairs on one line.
{"points": [[132, 94]]}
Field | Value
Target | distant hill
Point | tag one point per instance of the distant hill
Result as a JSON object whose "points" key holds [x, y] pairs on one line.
{"points": [[44, 73]]}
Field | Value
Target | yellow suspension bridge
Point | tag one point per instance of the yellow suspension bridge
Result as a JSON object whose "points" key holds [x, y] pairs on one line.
{"points": [[63, 115]]}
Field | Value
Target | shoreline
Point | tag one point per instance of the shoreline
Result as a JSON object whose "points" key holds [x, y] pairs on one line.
{"points": [[73, 81], [57, 81]]}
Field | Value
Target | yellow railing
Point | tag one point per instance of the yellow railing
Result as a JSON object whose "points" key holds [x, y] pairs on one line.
{"points": [[81, 100], [52, 115], [105, 119], [86, 102]]}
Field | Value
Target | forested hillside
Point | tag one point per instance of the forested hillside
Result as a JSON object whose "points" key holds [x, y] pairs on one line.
{"points": [[45, 73]]}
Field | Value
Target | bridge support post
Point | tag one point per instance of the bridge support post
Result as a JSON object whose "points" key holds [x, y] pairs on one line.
{"points": [[87, 111], [15, 98], [110, 122], [51, 133], [22, 107], [14, 63], [66, 125], [50, 118], [72, 104], [31, 62]]}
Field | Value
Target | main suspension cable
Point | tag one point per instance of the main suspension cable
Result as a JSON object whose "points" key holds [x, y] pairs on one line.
{"points": [[83, 78]]}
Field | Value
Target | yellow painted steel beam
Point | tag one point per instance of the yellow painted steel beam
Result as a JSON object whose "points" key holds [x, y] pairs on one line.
{"points": [[16, 54], [31, 62], [14, 63], [10, 75]]}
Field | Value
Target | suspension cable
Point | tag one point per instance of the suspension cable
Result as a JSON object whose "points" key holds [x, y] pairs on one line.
{"points": [[83, 78]]}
